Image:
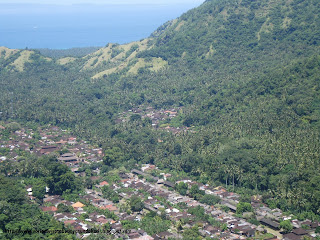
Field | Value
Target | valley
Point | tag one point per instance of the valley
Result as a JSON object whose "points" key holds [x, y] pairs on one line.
{"points": [[222, 103]]}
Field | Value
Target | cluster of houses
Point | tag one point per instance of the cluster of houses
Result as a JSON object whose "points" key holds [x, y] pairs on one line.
{"points": [[156, 116], [76, 219], [17, 142], [84, 222], [237, 228], [150, 193], [157, 195], [51, 141], [301, 229]]}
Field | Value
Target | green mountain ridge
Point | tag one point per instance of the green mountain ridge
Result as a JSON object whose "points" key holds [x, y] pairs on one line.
{"points": [[246, 74]]}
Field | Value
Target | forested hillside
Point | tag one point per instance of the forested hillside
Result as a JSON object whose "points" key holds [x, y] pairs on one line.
{"points": [[245, 75], [72, 52]]}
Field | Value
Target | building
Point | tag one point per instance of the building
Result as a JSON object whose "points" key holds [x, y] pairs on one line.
{"points": [[48, 149], [272, 224], [68, 157]]}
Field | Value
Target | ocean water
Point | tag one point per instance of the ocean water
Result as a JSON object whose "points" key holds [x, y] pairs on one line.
{"points": [[62, 27]]}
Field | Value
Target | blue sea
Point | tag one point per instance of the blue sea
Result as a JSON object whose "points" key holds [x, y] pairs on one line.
{"points": [[62, 27]]}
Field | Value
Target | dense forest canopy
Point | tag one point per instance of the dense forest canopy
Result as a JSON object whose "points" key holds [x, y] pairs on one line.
{"points": [[245, 74]]}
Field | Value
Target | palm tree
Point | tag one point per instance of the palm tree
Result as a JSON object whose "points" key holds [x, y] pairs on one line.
{"points": [[239, 174], [234, 170], [226, 170]]}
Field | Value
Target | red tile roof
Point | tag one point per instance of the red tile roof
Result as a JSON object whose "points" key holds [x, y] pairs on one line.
{"points": [[104, 183], [69, 222], [109, 207], [49, 209]]}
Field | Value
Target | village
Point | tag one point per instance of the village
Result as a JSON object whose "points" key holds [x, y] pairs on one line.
{"points": [[111, 212], [160, 119], [52, 140]]}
